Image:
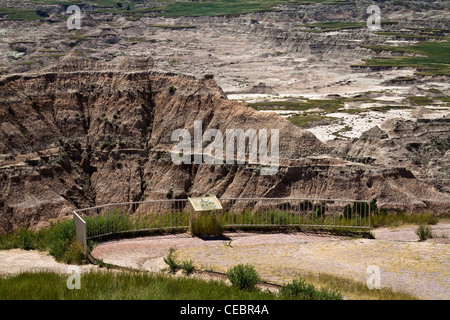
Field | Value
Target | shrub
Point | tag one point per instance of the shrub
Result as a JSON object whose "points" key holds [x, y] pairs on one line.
{"points": [[169, 194], [188, 267], [26, 240], [171, 261], [74, 253], [424, 232], [301, 290], [172, 90], [243, 276]]}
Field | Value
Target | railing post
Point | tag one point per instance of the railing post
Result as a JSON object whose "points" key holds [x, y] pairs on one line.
{"points": [[80, 230], [191, 212]]}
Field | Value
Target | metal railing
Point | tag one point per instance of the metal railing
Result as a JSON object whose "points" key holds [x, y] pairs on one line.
{"points": [[119, 218], [317, 213]]}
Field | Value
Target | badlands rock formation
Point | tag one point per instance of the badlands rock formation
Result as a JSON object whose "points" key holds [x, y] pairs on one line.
{"points": [[81, 133]]}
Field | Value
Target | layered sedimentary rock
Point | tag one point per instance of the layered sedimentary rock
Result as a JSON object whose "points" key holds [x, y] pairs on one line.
{"points": [[82, 133]]}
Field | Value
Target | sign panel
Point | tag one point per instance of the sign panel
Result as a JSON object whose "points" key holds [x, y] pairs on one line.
{"points": [[205, 203]]}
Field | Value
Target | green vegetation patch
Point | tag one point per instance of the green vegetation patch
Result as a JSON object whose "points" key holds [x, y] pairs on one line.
{"points": [[59, 239], [122, 285], [19, 14], [325, 105], [305, 121], [420, 100], [228, 7], [410, 36], [334, 26], [383, 219], [433, 58]]}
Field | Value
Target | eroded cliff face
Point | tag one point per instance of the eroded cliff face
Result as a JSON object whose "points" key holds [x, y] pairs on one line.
{"points": [[80, 134]]}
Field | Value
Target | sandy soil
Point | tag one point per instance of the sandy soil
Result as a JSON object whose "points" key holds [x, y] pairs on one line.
{"points": [[16, 261]]}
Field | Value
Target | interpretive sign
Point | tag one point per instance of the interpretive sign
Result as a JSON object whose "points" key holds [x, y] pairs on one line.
{"points": [[207, 203]]}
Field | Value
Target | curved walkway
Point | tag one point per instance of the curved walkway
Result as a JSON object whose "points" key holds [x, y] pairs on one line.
{"points": [[418, 268]]}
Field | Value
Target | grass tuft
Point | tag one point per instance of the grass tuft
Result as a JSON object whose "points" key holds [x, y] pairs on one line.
{"points": [[424, 232], [302, 290]]}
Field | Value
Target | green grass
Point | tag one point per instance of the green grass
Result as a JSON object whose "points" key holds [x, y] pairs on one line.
{"points": [[382, 109], [334, 26], [420, 100], [325, 105], [339, 132], [20, 14], [227, 7], [411, 36], [352, 289], [175, 8], [379, 220], [302, 290], [433, 59], [206, 223], [117, 221], [59, 239], [338, 25], [304, 121], [121, 285]]}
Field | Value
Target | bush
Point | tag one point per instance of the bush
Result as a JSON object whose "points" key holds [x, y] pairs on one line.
{"points": [[188, 267], [301, 290], [26, 240], [74, 253], [172, 90], [171, 261], [243, 276], [424, 232]]}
